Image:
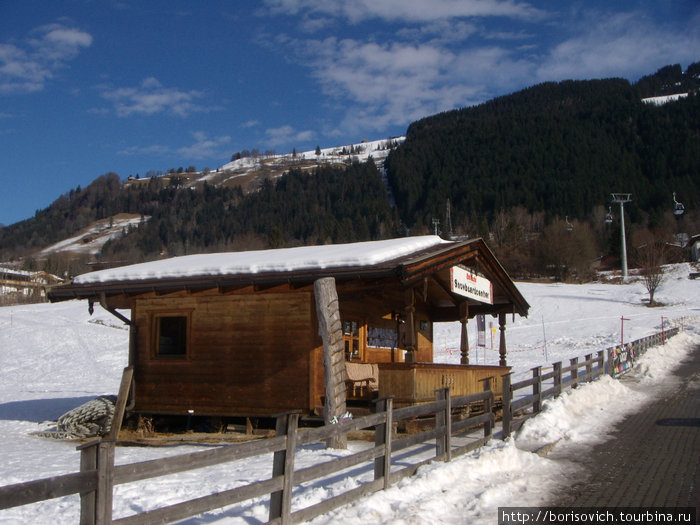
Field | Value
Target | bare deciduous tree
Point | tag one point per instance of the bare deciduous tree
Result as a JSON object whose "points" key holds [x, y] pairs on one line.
{"points": [[650, 256]]}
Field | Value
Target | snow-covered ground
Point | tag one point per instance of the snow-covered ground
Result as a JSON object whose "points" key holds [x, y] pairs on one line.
{"points": [[55, 357], [377, 149], [92, 239]]}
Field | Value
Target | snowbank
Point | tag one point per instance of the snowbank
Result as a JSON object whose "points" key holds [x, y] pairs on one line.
{"points": [[55, 357]]}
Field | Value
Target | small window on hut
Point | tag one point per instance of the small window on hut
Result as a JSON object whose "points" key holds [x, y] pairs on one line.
{"points": [[171, 335], [351, 340]]}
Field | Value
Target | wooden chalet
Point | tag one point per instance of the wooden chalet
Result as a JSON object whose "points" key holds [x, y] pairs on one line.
{"points": [[243, 334]]}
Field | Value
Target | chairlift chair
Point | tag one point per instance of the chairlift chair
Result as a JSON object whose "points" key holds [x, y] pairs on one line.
{"points": [[608, 216], [678, 208]]}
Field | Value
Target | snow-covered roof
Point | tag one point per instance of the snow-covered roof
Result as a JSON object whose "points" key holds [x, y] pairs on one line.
{"points": [[407, 261], [359, 254]]}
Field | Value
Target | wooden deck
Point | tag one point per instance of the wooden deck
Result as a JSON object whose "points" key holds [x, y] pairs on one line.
{"points": [[413, 383]]}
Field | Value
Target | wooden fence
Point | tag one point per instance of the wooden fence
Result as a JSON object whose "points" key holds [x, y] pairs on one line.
{"points": [[98, 474], [621, 358], [519, 408]]}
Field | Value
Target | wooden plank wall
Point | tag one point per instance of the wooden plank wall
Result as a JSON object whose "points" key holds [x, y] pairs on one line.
{"points": [[411, 384], [249, 354]]}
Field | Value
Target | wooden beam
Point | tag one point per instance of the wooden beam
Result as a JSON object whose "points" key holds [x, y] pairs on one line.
{"points": [[464, 334], [409, 327], [502, 344], [331, 331]]}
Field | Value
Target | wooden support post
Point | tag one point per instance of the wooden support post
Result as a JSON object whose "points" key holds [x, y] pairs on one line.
{"points": [[96, 506], [443, 423], [488, 408], [502, 351], [574, 372], [331, 331], [589, 367], [105, 482], [120, 407], [88, 462], [382, 436], [507, 399], [537, 389], [410, 326], [464, 338], [283, 465], [557, 378], [601, 362]]}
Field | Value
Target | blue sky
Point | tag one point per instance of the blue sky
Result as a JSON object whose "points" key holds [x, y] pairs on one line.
{"points": [[93, 86]]}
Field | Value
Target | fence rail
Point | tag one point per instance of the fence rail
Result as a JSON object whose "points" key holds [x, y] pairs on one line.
{"points": [[561, 377], [98, 474]]}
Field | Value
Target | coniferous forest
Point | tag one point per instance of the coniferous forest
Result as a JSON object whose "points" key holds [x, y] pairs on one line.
{"points": [[531, 172]]}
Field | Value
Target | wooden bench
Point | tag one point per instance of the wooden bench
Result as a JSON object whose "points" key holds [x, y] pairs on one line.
{"points": [[362, 379]]}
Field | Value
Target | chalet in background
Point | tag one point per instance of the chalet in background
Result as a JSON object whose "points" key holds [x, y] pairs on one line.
{"points": [[19, 286], [264, 332]]}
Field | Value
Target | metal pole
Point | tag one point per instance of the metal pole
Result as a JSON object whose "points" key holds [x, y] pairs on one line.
{"points": [[622, 330], [622, 198], [624, 243]]}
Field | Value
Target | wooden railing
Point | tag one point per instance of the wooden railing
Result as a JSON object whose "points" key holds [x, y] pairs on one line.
{"points": [[98, 474], [621, 358], [519, 408]]}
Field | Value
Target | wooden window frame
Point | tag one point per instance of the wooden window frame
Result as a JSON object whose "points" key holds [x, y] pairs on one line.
{"points": [[155, 334], [361, 339]]}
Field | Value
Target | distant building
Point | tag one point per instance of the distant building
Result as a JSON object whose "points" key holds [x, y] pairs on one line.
{"points": [[18, 286]]}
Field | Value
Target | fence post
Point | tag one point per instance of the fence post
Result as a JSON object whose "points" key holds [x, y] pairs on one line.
{"points": [[88, 461], [601, 362], [382, 436], [283, 465], [557, 378], [488, 408], [589, 367], [611, 362], [96, 506], [574, 372], [537, 389], [443, 421], [507, 397]]}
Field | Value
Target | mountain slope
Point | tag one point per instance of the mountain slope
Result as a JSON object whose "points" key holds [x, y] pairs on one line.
{"points": [[560, 148], [546, 157]]}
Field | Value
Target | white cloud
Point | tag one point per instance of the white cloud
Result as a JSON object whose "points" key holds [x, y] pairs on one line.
{"points": [[405, 10], [620, 45], [26, 67], [205, 147], [430, 63], [396, 83], [286, 135], [153, 149], [442, 54], [151, 97]]}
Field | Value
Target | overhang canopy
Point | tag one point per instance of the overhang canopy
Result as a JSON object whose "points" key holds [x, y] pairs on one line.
{"points": [[420, 262]]}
